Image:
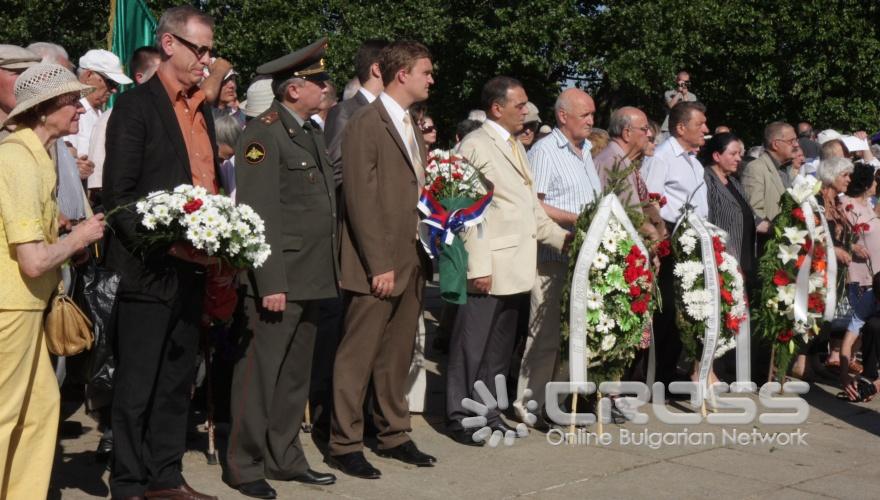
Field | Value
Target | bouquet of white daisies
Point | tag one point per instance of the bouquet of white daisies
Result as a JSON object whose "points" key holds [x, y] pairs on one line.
{"points": [[211, 223]]}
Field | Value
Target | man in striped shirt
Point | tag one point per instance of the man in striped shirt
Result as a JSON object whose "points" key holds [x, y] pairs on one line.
{"points": [[566, 181]]}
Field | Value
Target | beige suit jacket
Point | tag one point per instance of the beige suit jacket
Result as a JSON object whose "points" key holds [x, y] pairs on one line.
{"points": [[514, 223], [763, 186]]}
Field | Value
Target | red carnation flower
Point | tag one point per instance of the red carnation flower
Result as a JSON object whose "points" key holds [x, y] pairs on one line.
{"points": [[193, 205], [634, 291], [849, 207], [664, 248], [727, 296], [639, 306], [785, 336], [798, 214], [781, 278], [732, 323], [717, 245], [815, 303], [631, 274]]}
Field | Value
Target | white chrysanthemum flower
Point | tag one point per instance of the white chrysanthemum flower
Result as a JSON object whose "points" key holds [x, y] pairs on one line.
{"points": [[724, 344], [688, 241], [149, 222], [608, 342], [688, 271], [600, 261], [697, 303], [594, 300]]}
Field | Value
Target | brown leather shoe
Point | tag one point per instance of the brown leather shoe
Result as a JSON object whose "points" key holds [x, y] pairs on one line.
{"points": [[182, 492]]}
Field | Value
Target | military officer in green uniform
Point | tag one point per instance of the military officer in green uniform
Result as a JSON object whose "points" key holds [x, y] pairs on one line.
{"points": [[283, 172]]}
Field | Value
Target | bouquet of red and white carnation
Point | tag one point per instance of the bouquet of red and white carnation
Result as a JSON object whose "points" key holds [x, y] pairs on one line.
{"points": [[695, 301], [211, 223], [454, 198]]}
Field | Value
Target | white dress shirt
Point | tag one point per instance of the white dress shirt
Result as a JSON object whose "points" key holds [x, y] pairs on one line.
{"points": [[97, 150], [396, 112], [501, 130], [87, 121], [675, 173], [367, 94]]}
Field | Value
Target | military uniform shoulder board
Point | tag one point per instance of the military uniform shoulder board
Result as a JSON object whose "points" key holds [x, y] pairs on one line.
{"points": [[254, 153], [270, 118]]}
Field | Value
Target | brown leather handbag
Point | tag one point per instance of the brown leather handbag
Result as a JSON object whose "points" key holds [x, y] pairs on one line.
{"points": [[68, 330]]}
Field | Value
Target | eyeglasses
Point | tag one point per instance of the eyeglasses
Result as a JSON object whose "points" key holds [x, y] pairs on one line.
{"points": [[199, 51], [646, 129], [684, 83], [790, 142], [428, 129]]}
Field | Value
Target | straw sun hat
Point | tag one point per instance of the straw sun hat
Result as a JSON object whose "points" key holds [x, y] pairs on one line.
{"points": [[41, 83]]}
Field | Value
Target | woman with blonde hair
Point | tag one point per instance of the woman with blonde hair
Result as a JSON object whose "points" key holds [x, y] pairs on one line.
{"points": [[31, 254]]}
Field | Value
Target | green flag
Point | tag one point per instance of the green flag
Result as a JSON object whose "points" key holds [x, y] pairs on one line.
{"points": [[132, 26]]}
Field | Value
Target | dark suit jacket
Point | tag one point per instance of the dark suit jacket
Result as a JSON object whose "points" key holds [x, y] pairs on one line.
{"points": [[291, 187], [145, 153], [726, 213], [337, 119], [381, 194]]}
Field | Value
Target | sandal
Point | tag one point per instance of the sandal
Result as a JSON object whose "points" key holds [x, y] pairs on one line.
{"points": [[866, 389], [856, 367]]}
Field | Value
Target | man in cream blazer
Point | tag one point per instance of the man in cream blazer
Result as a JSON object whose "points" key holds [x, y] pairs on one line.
{"points": [[502, 255]]}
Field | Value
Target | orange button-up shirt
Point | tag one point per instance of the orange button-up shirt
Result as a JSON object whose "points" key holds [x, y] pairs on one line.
{"points": [[187, 108]]}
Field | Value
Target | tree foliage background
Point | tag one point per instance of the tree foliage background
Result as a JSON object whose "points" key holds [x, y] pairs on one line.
{"points": [[751, 61]]}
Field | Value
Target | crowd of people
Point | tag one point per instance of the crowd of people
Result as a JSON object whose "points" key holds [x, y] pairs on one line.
{"points": [[326, 329]]}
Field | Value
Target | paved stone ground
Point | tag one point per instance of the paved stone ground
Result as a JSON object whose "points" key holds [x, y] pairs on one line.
{"points": [[841, 459]]}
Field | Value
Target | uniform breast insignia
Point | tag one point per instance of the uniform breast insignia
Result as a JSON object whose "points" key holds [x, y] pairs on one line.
{"points": [[255, 153], [270, 118]]}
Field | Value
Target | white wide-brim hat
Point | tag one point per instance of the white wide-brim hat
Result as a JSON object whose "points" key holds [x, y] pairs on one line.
{"points": [[41, 83]]}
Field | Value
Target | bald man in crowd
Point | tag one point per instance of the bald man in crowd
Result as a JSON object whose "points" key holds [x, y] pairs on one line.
{"points": [[566, 181], [630, 138]]}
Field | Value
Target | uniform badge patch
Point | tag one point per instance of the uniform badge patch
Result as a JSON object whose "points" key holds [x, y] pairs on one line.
{"points": [[255, 153]]}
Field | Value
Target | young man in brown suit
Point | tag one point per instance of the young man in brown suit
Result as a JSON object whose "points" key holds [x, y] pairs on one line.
{"points": [[383, 266]]}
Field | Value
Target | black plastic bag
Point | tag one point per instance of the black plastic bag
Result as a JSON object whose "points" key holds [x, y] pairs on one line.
{"points": [[95, 292]]}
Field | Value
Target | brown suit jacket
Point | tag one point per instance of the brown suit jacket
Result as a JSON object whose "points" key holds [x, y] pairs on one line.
{"points": [[381, 194]]}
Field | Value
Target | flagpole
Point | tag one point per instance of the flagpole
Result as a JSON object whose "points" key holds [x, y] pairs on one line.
{"points": [[112, 22]]}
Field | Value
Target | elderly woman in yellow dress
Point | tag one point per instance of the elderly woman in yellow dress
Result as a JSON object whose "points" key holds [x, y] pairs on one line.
{"points": [[31, 254]]}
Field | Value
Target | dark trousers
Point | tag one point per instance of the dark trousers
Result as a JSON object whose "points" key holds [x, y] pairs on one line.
{"points": [[270, 388], [871, 347], [321, 388], [667, 338], [156, 351], [481, 347], [378, 342]]}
